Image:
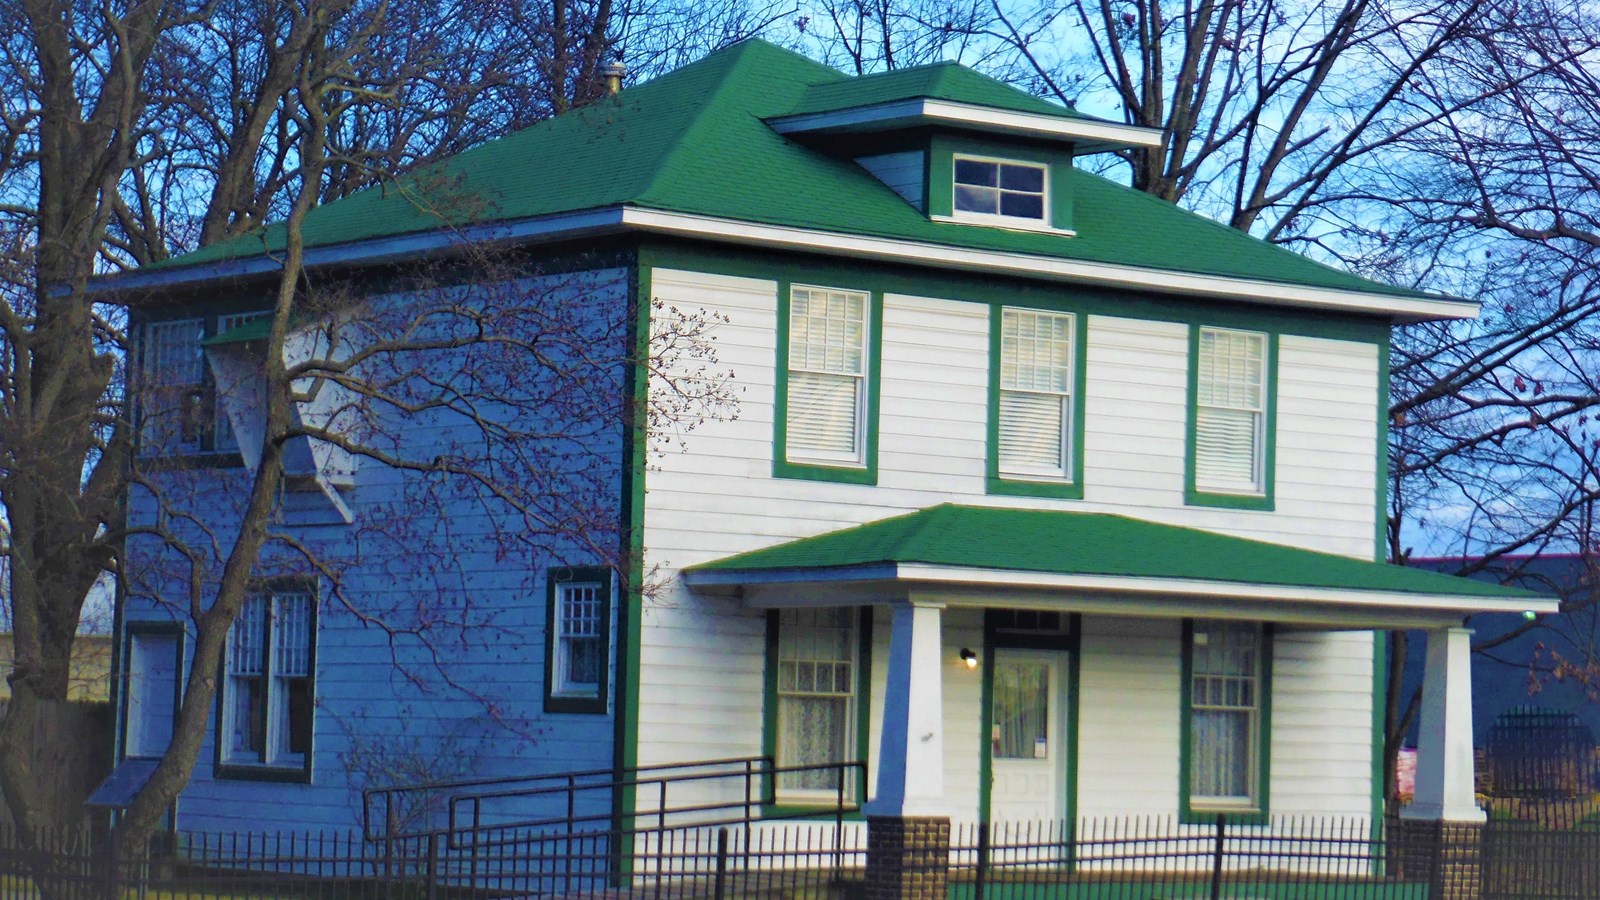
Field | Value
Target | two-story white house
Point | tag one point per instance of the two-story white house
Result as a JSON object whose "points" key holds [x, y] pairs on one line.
{"points": [[1045, 498]]}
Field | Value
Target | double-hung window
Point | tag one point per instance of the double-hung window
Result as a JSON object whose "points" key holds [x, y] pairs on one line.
{"points": [[817, 675], [1035, 398], [578, 658], [269, 699], [1231, 421], [1228, 686], [827, 399], [175, 409]]}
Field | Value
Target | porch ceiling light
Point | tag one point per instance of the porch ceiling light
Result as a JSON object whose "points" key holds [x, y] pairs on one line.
{"points": [[968, 657]]}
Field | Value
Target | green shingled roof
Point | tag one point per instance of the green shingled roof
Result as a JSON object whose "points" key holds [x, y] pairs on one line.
{"points": [[696, 141], [1078, 543], [940, 81]]}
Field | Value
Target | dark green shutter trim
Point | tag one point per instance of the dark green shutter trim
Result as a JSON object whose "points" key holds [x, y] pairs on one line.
{"points": [[1194, 496], [782, 466], [1381, 551], [635, 437], [994, 482]]}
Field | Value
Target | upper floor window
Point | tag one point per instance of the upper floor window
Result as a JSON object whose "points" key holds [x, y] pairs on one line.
{"points": [[269, 700], [179, 410], [1230, 434], [1226, 669], [1034, 416], [1004, 189], [175, 406], [826, 392], [578, 660]]}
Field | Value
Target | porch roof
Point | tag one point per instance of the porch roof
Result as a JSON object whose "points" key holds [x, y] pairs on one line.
{"points": [[1050, 549]]}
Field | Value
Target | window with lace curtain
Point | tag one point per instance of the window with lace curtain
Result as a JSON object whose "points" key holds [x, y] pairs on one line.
{"points": [[817, 669], [1226, 667]]}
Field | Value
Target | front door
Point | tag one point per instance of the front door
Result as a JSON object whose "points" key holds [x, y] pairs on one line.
{"points": [[1027, 745]]}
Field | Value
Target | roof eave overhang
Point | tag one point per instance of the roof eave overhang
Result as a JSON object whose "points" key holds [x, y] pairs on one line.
{"points": [[617, 219], [1133, 595], [1052, 268], [1086, 135]]}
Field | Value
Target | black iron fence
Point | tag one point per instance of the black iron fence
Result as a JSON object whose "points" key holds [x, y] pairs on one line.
{"points": [[1097, 859]]}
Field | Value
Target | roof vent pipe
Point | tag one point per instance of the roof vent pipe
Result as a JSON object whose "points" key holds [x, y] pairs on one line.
{"points": [[613, 73]]}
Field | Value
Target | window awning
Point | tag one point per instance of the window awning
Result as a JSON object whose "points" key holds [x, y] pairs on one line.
{"points": [[950, 548]]}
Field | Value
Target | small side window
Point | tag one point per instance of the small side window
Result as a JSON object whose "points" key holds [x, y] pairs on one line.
{"points": [[578, 658], [269, 696], [1001, 189]]}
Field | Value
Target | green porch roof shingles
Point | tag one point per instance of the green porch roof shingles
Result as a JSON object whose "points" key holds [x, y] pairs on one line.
{"points": [[695, 141], [1094, 544]]}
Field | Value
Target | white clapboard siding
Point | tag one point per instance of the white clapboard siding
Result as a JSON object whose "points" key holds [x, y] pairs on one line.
{"points": [[902, 172], [717, 497]]}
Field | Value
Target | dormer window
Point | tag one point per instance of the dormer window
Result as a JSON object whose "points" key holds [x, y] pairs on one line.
{"points": [[1000, 190]]}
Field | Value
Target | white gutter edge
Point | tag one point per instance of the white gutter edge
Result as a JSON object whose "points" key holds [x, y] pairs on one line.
{"points": [[919, 573], [1104, 134], [1026, 265]]}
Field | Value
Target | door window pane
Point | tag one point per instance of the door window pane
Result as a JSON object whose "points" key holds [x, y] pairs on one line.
{"points": [[1021, 709]]}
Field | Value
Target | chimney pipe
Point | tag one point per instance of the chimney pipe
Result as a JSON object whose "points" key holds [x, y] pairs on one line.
{"points": [[613, 73]]}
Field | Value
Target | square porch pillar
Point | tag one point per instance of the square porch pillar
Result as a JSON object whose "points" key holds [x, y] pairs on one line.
{"points": [[908, 821], [1444, 781]]}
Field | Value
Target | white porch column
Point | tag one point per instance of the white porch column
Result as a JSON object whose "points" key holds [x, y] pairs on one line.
{"points": [[1444, 785], [911, 748]]}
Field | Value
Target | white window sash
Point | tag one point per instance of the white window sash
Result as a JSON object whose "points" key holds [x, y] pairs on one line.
{"points": [[827, 364], [1225, 702], [1230, 424], [270, 644], [579, 622], [1034, 422], [818, 680], [999, 217]]}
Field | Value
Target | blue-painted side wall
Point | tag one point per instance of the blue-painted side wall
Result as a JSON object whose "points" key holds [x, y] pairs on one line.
{"points": [[430, 654]]}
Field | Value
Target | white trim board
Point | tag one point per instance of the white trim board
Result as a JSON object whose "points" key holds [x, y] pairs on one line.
{"points": [[615, 219], [894, 580], [1090, 135]]}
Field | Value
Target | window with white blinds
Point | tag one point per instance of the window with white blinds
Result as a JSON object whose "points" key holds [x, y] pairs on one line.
{"points": [[827, 378], [1230, 411], [1034, 428], [1226, 662], [268, 700]]}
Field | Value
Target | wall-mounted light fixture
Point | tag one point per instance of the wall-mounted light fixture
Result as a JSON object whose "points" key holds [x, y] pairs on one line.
{"points": [[968, 657]]}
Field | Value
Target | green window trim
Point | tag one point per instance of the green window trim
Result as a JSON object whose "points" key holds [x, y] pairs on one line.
{"points": [[1070, 488], [232, 769], [1188, 812], [1192, 494], [816, 470], [555, 578], [771, 806]]}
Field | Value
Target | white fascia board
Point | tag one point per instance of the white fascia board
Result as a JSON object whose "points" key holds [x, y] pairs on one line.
{"points": [[1247, 290], [377, 250], [916, 576], [1088, 134]]}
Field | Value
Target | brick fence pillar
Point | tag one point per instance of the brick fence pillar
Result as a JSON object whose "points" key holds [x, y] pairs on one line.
{"points": [[1450, 854], [908, 857], [1460, 873]]}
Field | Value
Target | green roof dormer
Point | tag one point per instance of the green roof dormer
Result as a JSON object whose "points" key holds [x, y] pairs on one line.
{"points": [[948, 96]]}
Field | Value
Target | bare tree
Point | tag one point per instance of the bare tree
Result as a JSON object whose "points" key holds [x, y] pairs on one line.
{"points": [[130, 132]]}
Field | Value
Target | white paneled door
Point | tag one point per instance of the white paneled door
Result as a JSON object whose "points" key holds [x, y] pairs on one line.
{"points": [[1027, 744]]}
